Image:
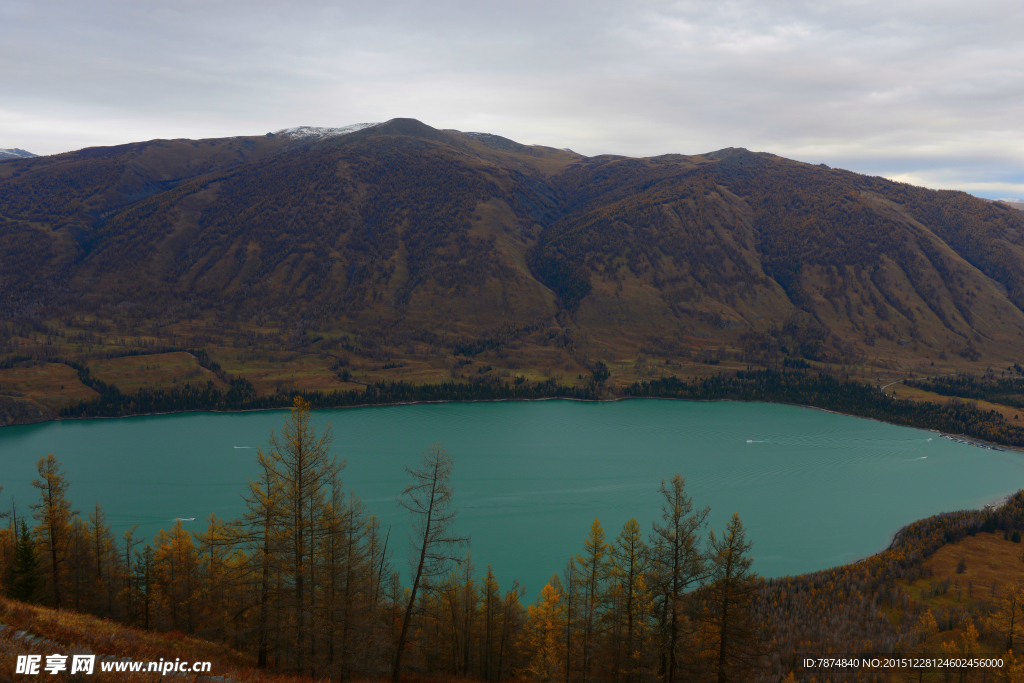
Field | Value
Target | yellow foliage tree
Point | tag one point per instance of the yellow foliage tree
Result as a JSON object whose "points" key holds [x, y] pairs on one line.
{"points": [[301, 469], [542, 642], [594, 566], [1013, 670], [965, 646], [926, 626], [1006, 620], [177, 573], [54, 514]]}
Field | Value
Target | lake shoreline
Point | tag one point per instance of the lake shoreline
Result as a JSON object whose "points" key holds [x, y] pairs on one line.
{"points": [[579, 460], [615, 399]]}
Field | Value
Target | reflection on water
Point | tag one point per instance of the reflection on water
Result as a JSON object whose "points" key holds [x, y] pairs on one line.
{"points": [[814, 489]]}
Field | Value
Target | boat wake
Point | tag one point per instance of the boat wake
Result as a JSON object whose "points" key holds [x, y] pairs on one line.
{"points": [[243, 446], [184, 519]]}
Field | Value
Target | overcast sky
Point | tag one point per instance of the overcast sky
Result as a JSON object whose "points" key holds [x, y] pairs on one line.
{"points": [[929, 92]]}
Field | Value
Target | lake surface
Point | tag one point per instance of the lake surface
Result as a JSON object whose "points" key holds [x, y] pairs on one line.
{"points": [[814, 489]]}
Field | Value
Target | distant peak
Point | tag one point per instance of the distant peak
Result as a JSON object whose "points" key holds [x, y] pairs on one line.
{"points": [[322, 133], [737, 158], [15, 153], [726, 153]]}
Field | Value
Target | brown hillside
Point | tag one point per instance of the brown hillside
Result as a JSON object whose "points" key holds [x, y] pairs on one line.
{"points": [[30, 629], [399, 244]]}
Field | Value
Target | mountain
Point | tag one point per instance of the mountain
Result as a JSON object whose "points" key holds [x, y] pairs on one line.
{"points": [[402, 242], [15, 154]]}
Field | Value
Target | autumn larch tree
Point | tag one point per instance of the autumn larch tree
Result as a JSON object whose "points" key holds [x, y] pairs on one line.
{"points": [[433, 546], [593, 569], [177, 570], [678, 560], [23, 574], [305, 468], [543, 638], [54, 514], [491, 616], [102, 542], [512, 616], [258, 529], [730, 598], [629, 562], [570, 599], [1009, 614]]}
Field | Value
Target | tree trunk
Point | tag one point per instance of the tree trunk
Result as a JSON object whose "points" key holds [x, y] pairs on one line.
{"points": [[415, 587]]}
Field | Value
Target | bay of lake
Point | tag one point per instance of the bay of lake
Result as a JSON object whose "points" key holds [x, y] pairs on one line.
{"points": [[814, 489]]}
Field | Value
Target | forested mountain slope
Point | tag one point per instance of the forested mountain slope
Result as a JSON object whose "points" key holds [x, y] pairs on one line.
{"points": [[416, 242], [750, 239]]}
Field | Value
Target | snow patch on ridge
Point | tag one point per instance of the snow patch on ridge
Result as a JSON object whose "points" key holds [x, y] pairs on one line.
{"points": [[321, 133], [16, 153]]}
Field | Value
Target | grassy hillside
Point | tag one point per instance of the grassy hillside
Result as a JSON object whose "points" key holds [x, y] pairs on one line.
{"points": [[949, 586]]}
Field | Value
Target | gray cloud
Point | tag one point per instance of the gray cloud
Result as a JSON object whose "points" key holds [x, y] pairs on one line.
{"points": [[925, 91]]}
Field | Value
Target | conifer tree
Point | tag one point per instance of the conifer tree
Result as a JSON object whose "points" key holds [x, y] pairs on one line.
{"points": [[177, 570], [350, 576], [129, 591], [432, 543], [214, 575], [512, 617], [593, 570], [54, 514], [23, 578], [79, 561], [470, 604], [301, 462], [491, 607], [376, 642], [629, 562], [730, 597], [571, 598], [1007, 618], [678, 563], [147, 577], [102, 546], [543, 636], [461, 599], [259, 530], [926, 626], [638, 667]]}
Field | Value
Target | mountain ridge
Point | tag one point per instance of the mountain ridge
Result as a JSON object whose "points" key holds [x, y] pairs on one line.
{"points": [[409, 241]]}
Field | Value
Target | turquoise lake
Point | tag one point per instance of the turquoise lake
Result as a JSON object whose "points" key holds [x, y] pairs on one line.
{"points": [[814, 489]]}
